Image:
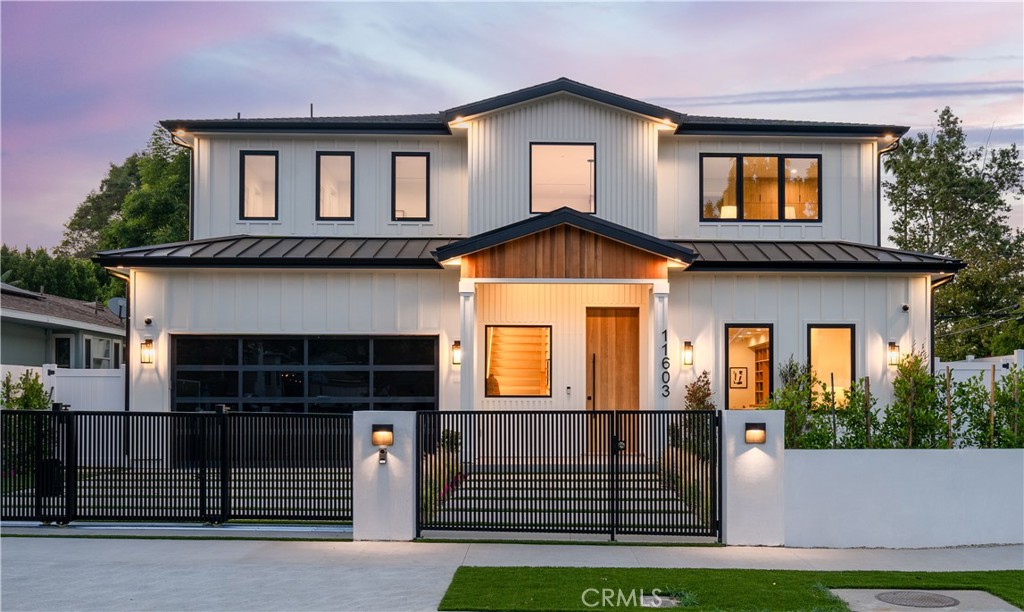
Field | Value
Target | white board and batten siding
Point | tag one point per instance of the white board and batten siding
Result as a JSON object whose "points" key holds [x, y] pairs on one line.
{"points": [[564, 308], [499, 160], [300, 302], [700, 305], [217, 185], [849, 208]]}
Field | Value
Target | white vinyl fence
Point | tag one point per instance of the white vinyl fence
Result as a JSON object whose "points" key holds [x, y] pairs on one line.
{"points": [[971, 367], [79, 389]]}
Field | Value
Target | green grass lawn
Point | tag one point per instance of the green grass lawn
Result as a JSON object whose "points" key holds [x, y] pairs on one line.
{"points": [[556, 589]]}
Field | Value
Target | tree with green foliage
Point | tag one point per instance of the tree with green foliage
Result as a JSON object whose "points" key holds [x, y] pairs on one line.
{"points": [[156, 211], [954, 200], [61, 275], [82, 231]]}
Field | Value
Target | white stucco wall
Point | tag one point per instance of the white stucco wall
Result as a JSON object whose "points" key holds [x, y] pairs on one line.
{"points": [[904, 498], [753, 476], [384, 495]]}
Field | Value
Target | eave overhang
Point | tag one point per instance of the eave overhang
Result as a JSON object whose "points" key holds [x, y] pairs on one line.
{"points": [[565, 216], [414, 125]]}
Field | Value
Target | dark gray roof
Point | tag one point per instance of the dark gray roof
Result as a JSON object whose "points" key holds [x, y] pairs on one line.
{"points": [[699, 124], [430, 123], [21, 300], [281, 252], [565, 216], [823, 255], [424, 253], [564, 85], [437, 123]]}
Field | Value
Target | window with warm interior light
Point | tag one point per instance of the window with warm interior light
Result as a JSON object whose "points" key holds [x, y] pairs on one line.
{"points": [[749, 371], [335, 188], [259, 185], [563, 175], [760, 187], [830, 351], [410, 186], [518, 361]]}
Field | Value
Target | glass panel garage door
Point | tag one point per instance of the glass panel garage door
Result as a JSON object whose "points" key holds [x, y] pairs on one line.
{"points": [[315, 374]]}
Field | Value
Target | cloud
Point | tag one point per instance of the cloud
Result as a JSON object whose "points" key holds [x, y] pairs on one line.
{"points": [[848, 94]]}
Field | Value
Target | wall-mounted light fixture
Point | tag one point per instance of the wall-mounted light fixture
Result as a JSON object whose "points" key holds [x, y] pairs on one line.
{"points": [[383, 436], [687, 353], [894, 354], [147, 352], [756, 433], [456, 352]]}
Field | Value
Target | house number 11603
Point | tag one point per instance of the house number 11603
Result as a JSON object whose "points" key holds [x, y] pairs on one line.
{"points": [[666, 363]]}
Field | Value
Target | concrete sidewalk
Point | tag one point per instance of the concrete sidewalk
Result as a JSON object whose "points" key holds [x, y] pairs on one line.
{"points": [[65, 573]]}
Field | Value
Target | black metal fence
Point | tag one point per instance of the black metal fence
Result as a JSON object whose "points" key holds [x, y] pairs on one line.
{"points": [[625, 472], [65, 466]]}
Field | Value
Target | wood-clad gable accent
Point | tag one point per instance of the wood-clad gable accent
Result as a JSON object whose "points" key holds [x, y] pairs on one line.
{"points": [[564, 252]]}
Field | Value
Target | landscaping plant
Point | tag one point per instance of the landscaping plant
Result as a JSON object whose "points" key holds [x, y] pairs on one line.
{"points": [[916, 418]]}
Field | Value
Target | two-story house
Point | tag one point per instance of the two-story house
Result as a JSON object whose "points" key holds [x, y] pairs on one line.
{"points": [[558, 247]]}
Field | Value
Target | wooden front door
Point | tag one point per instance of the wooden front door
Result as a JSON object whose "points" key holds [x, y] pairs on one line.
{"points": [[613, 370]]}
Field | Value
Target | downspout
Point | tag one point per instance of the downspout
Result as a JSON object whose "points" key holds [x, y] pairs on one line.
{"points": [[935, 284], [878, 190]]}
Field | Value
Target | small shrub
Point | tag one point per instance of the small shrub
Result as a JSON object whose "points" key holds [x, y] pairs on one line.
{"points": [[857, 418], [451, 441], [1009, 407], [697, 394], [26, 394], [916, 418], [969, 405], [807, 424]]}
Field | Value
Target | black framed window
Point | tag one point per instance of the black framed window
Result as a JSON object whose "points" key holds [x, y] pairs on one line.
{"points": [[410, 186], [760, 188], [749, 359], [335, 185], [517, 361], [831, 354], [258, 185], [311, 374], [563, 174]]}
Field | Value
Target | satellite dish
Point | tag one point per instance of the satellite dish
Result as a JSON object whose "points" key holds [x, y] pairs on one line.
{"points": [[118, 306]]}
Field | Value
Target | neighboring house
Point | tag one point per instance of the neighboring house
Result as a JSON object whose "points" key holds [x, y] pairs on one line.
{"points": [[557, 247], [37, 329]]}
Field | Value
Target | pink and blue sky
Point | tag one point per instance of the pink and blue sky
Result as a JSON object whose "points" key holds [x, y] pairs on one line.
{"points": [[83, 83]]}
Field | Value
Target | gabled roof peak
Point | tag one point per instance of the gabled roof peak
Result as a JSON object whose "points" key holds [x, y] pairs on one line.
{"points": [[564, 85]]}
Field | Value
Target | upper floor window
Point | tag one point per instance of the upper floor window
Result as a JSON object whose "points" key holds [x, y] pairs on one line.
{"points": [[410, 186], [562, 174], [335, 188], [760, 187], [259, 185]]}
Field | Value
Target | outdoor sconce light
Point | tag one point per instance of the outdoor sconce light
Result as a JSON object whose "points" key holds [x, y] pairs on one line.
{"points": [[687, 353], [383, 436], [147, 351], [894, 354], [456, 352], [755, 433]]}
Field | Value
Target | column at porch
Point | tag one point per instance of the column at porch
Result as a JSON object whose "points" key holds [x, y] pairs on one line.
{"points": [[467, 323], [661, 345]]}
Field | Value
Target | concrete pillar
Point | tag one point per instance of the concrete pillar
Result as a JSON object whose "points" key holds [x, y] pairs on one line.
{"points": [[662, 375], [753, 494], [467, 322], [384, 495]]}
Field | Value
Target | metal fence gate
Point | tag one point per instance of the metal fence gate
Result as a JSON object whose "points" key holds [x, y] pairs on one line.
{"points": [[610, 472], [65, 466]]}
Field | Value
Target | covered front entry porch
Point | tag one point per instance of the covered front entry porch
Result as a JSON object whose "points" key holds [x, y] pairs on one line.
{"points": [[564, 311]]}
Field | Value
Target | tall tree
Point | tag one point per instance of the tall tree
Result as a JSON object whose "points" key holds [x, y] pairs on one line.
{"points": [[61, 275], [156, 211], [82, 230], [950, 199]]}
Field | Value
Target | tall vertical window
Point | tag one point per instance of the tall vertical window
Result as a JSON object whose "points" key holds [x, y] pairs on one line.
{"points": [[335, 188], [760, 187], [563, 175], [830, 353], [410, 186], [259, 185], [748, 359], [517, 361]]}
